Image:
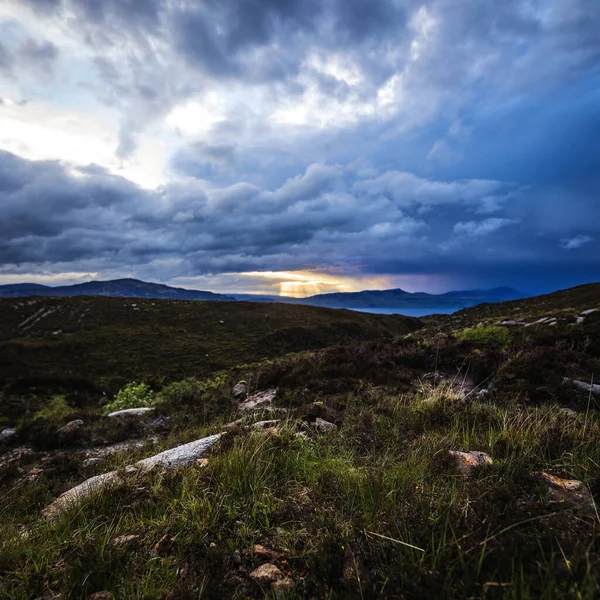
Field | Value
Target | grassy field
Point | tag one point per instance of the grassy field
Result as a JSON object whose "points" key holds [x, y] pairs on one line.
{"points": [[90, 346], [375, 509]]}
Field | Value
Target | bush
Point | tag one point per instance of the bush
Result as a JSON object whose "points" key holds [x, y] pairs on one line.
{"points": [[133, 395], [494, 335]]}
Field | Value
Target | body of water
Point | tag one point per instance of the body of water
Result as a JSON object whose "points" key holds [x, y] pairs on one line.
{"points": [[409, 312]]}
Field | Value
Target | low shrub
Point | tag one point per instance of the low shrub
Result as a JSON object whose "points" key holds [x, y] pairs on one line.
{"points": [[133, 395], [493, 335]]}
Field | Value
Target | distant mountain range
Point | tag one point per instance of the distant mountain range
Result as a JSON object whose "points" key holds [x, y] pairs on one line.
{"points": [[123, 288], [396, 298], [376, 299]]}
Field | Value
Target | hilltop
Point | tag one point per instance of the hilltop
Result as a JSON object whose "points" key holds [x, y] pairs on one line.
{"points": [[119, 288], [396, 298], [326, 453]]}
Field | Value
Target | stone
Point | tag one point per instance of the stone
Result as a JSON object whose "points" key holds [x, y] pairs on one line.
{"points": [[594, 388], [6, 434], [568, 411], [266, 574], [266, 553], [133, 412], [589, 311], [236, 558], [470, 462], [570, 492], [70, 428], [169, 459], [258, 401], [282, 588], [124, 540], [322, 426], [240, 390], [90, 462]]}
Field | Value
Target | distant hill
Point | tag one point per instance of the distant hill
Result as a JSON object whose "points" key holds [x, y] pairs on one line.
{"points": [[120, 288], [106, 342], [398, 298]]}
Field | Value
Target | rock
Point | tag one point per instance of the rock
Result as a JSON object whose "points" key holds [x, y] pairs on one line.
{"points": [[82, 492], [589, 311], [470, 462], [135, 412], [181, 455], [260, 400], [240, 390], [282, 588], [124, 540], [594, 388], [236, 558], [90, 462], [101, 596], [70, 428], [568, 411], [540, 321], [266, 553], [266, 574], [169, 459], [567, 491], [322, 426], [510, 323], [6, 434]]}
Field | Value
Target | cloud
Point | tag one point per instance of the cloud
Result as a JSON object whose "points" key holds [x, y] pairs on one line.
{"points": [[480, 228], [575, 242]]}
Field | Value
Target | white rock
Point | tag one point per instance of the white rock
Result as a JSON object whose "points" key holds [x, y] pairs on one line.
{"points": [[6, 434], [589, 311], [131, 411], [240, 389], [588, 387], [265, 424], [260, 400], [169, 459]]}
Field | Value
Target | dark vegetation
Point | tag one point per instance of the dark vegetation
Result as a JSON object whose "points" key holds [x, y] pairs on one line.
{"points": [[375, 509]]}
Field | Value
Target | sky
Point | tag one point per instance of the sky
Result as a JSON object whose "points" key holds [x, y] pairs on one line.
{"points": [[301, 146]]}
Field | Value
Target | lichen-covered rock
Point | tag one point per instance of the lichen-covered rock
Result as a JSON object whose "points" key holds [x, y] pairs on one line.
{"points": [[470, 462], [240, 390], [133, 412], [70, 428], [258, 401], [266, 574], [169, 459], [322, 426], [570, 492]]}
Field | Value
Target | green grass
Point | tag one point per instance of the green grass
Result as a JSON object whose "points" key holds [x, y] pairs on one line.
{"points": [[494, 335], [381, 485], [375, 509]]}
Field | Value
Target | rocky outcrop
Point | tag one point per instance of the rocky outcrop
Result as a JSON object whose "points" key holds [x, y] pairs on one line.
{"points": [[169, 459], [135, 412], [260, 400], [594, 388]]}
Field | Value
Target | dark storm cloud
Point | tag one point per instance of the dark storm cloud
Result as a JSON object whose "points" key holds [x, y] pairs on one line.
{"points": [[484, 160], [319, 219]]}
